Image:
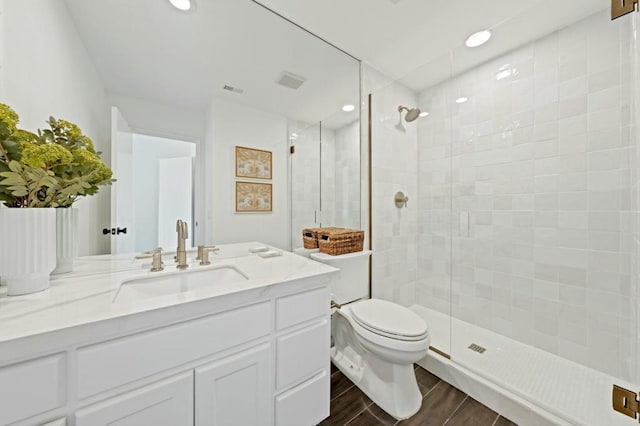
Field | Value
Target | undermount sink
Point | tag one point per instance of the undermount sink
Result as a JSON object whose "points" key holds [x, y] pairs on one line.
{"points": [[176, 282]]}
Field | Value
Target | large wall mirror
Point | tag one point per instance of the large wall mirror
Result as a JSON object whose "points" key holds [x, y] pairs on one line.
{"points": [[167, 96]]}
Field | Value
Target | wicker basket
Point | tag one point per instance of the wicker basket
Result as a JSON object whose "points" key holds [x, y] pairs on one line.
{"points": [[338, 241], [310, 238]]}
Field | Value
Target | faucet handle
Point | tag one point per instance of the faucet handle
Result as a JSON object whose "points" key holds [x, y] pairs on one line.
{"points": [[203, 254], [201, 249], [147, 254], [156, 264], [155, 255]]}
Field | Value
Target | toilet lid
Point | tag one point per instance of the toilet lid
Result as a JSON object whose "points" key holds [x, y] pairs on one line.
{"points": [[388, 318]]}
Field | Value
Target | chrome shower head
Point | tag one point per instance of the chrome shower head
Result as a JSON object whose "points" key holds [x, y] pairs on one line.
{"points": [[412, 113]]}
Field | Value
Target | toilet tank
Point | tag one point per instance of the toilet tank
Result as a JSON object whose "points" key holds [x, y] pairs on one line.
{"points": [[304, 252], [353, 282]]}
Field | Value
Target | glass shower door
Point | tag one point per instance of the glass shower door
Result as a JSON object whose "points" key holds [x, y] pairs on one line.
{"points": [[634, 158], [412, 155], [544, 258]]}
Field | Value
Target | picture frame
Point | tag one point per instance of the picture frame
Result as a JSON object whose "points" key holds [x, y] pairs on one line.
{"points": [[254, 197], [253, 163]]}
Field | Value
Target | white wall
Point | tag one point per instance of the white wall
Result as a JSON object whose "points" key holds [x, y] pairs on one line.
{"points": [[394, 168], [46, 71], [230, 124], [147, 151]]}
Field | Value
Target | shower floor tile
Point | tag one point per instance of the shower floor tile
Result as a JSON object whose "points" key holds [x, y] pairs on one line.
{"points": [[442, 404], [544, 382]]}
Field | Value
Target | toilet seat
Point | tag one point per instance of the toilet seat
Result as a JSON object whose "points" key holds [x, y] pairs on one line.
{"points": [[389, 319]]}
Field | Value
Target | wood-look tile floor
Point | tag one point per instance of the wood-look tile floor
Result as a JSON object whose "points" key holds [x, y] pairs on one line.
{"points": [[442, 404]]}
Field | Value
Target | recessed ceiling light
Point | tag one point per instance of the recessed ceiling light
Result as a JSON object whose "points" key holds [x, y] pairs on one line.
{"points": [[462, 99], [181, 4], [348, 108], [424, 113], [478, 39]]}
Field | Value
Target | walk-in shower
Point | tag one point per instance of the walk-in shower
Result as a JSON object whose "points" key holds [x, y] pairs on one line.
{"points": [[523, 239]]}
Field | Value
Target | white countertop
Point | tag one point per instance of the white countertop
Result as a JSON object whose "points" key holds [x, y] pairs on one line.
{"points": [[87, 295]]}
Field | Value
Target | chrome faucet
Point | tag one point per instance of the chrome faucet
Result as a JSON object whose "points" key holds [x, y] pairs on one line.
{"points": [[181, 251]]}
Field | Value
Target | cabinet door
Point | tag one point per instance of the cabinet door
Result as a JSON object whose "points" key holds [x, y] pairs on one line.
{"points": [[236, 390], [168, 402]]}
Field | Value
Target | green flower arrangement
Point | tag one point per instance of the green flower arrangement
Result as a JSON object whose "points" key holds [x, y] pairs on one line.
{"points": [[52, 168]]}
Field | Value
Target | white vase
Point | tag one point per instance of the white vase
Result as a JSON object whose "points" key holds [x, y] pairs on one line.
{"points": [[27, 249], [66, 239]]}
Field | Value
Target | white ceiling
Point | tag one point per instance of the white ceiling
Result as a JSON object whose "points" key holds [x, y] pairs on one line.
{"points": [[412, 40], [148, 50]]}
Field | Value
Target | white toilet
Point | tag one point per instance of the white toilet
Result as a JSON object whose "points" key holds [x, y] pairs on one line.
{"points": [[376, 342]]}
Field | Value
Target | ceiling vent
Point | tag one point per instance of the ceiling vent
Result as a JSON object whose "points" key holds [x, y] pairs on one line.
{"points": [[233, 89], [290, 80]]}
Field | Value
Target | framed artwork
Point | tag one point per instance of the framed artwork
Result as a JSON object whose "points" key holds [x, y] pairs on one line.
{"points": [[253, 163], [253, 197]]}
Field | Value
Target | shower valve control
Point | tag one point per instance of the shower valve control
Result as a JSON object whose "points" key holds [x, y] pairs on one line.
{"points": [[401, 200]]}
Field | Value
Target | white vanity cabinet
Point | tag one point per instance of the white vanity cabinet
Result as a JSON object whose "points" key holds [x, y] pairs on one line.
{"points": [[165, 403], [303, 334], [235, 390], [263, 361]]}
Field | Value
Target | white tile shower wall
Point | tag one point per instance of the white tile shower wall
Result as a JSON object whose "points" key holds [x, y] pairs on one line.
{"points": [[540, 160], [336, 178], [347, 176], [434, 203], [328, 178], [394, 168], [371, 81], [305, 179]]}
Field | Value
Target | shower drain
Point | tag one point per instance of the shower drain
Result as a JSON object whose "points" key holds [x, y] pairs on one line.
{"points": [[477, 348]]}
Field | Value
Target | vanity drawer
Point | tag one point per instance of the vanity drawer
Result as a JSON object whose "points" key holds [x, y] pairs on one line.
{"points": [[302, 354], [301, 307], [32, 388], [307, 404], [107, 365]]}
